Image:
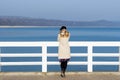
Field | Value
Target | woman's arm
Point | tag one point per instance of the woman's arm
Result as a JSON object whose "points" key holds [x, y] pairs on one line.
{"points": [[69, 36]]}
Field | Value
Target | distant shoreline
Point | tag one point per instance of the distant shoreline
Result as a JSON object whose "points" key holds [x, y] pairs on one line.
{"points": [[27, 26], [59, 26], [9, 22]]}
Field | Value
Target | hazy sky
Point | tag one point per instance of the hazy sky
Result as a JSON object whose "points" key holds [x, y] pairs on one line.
{"points": [[79, 10]]}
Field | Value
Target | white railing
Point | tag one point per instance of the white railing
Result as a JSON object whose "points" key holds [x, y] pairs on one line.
{"points": [[44, 54]]}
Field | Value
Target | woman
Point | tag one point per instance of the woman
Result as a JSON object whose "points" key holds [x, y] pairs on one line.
{"points": [[64, 49]]}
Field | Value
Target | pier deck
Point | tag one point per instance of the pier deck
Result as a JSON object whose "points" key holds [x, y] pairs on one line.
{"points": [[56, 76]]}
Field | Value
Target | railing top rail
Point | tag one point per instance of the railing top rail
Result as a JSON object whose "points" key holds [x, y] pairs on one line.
{"points": [[55, 43]]}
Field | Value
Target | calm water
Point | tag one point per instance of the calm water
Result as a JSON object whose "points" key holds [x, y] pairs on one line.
{"points": [[50, 34]]}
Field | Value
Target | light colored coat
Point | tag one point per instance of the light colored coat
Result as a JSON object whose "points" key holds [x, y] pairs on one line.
{"points": [[64, 48]]}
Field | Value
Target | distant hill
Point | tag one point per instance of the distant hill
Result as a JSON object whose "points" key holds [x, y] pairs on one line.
{"points": [[25, 21]]}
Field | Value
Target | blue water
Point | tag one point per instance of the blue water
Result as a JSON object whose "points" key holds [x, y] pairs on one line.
{"points": [[50, 34]]}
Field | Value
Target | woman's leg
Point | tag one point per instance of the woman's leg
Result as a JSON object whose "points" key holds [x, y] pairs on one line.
{"points": [[65, 67], [62, 68]]}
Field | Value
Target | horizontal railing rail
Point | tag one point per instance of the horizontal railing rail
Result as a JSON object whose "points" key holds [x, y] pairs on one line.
{"points": [[44, 54]]}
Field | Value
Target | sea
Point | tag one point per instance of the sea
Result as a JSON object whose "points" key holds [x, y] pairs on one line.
{"points": [[50, 33]]}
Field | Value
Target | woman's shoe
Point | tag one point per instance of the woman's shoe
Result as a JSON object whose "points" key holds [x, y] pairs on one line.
{"points": [[63, 74]]}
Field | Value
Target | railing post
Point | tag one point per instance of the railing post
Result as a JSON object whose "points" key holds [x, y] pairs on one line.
{"points": [[0, 61], [44, 57], [90, 58], [119, 58]]}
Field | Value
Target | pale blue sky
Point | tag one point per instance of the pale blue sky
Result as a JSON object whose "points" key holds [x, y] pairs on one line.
{"points": [[78, 10]]}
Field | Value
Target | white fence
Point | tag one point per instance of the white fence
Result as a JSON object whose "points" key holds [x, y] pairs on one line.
{"points": [[44, 54]]}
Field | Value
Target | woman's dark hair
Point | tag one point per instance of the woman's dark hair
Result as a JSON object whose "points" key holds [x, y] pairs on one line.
{"points": [[63, 27]]}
